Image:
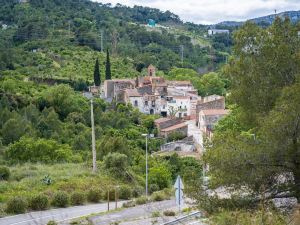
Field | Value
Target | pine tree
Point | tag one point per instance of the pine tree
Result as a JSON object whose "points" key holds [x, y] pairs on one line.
{"points": [[107, 65], [97, 76]]}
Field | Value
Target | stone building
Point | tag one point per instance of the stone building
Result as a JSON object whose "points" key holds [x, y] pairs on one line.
{"points": [[114, 89], [208, 118], [181, 128], [209, 102]]}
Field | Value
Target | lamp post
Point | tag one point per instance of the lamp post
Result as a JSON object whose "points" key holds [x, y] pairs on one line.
{"points": [[147, 136]]}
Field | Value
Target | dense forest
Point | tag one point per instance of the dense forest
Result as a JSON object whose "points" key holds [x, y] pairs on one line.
{"points": [[33, 26]]}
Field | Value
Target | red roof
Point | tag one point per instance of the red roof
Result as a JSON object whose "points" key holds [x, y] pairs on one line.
{"points": [[161, 120]]}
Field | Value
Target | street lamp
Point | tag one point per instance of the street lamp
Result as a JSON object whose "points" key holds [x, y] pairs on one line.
{"points": [[147, 136]]}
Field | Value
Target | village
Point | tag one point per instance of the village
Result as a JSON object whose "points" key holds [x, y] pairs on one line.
{"points": [[183, 113]]}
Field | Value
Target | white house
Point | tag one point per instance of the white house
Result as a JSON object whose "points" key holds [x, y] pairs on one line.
{"points": [[217, 31], [180, 105]]}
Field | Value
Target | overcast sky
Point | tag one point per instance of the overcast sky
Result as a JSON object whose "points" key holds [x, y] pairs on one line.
{"points": [[214, 11]]}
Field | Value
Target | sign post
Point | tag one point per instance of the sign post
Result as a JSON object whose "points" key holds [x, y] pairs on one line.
{"points": [[179, 192]]}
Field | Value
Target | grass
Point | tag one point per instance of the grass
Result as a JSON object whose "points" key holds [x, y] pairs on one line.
{"points": [[26, 181], [248, 218]]}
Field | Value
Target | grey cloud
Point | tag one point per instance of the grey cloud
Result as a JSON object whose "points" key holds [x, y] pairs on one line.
{"points": [[213, 11]]}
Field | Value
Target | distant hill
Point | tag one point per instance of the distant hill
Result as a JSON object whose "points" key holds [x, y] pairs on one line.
{"points": [[294, 16]]}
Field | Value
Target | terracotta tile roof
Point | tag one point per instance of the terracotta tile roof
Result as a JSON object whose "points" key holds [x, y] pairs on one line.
{"points": [[161, 120], [175, 127], [211, 112]]}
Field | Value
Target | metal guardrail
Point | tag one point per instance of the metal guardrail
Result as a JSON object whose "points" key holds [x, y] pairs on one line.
{"points": [[189, 216]]}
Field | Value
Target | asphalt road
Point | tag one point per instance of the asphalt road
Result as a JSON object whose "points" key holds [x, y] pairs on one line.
{"points": [[58, 215], [135, 213]]}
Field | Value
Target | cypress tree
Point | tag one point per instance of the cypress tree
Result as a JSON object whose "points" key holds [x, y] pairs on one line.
{"points": [[97, 77], [107, 66]]}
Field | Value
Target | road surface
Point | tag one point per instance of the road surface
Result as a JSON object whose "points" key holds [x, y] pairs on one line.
{"points": [[194, 131], [134, 214], [58, 215]]}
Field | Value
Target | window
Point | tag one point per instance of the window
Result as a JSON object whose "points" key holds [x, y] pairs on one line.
{"points": [[146, 103], [136, 103]]}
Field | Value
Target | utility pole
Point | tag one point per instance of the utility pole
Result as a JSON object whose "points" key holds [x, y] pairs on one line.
{"points": [[101, 40], [69, 28], [181, 49], [93, 138], [108, 200], [147, 166], [116, 197]]}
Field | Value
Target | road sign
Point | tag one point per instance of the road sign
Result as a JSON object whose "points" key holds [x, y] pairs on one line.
{"points": [[179, 192]]}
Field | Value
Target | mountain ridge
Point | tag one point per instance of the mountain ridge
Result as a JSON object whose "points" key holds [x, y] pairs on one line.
{"points": [[267, 20]]}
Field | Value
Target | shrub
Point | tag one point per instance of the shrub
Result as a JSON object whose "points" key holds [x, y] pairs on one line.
{"points": [[16, 205], [4, 173], [39, 202], [129, 204], [158, 196], [153, 188], [94, 195], [125, 192], [60, 199], [155, 214], [160, 175], [137, 191], [169, 213], [28, 149], [51, 222], [141, 200], [116, 163], [77, 198]]}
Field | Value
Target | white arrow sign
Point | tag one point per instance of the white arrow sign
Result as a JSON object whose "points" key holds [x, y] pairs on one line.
{"points": [[179, 192]]}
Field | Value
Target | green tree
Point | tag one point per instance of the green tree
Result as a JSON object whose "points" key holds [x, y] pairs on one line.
{"points": [[38, 150], [107, 67], [259, 143], [210, 84], [97, 76], [14, 129], [160, 175]]}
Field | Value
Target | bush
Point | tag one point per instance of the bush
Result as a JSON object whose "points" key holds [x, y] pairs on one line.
{"points": [[51, 222], [39, 202], [153, 188], [60, 199], [125, 192], [169, 213], [137, 191], [141, 200], [155, 214], [77, 198], [4, 173], [94, 195], [28, 149], [116, 163], [129, 204], [160, 175], [158, 196], [16, 205]]}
